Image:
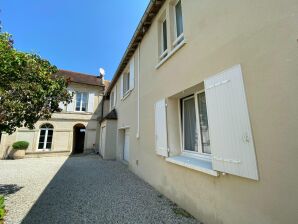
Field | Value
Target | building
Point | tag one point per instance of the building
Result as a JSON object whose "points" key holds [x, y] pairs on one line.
{"points": [[203, 107], [71, 131]]}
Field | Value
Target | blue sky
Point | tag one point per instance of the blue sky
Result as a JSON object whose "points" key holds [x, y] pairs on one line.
{"points": [[77, 35]]}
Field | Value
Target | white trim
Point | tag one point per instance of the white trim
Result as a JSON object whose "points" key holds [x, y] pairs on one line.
{"points": [[193, 163], [124, 127], [199, 153], [81, 102], [180, 45], [179, 38], [126, 94], [164, 54]]}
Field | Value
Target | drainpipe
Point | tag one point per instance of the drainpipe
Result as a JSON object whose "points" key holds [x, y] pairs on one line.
{"points": [[138, 128]]}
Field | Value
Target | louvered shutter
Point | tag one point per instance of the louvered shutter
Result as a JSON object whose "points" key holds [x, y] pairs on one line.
{"points": [[121, 86], [132, 74], [231, 139], [161, 142], [91, 102], [70, 106]]}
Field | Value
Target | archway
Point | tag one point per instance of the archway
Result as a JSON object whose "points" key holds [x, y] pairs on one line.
{"points": [[78, 138]]}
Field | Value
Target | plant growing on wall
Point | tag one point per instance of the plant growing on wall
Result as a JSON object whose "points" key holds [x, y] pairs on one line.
{"points": [[29, 90]]}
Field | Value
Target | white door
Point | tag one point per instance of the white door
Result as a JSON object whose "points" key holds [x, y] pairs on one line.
{"points": [[102, 140], [126, 145]]}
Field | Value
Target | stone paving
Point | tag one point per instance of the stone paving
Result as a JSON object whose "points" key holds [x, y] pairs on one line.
{"points": [[81, 189]]}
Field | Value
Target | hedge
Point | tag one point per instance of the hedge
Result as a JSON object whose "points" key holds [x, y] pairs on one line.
{"points": [[20, 145]]}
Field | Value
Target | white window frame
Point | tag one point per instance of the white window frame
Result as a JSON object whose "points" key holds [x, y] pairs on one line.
{"points": [[179, 38], [163, 53], [124, 93], [199, 153], [81, 103], [113, 104], [44, 148]]}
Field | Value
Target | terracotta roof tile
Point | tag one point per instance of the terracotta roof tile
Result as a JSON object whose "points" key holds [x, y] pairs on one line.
{"points": [[80, 77]]}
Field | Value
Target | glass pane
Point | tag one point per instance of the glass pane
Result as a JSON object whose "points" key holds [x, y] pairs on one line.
{"points": [[78, 101], [179, 22], [50, 133], [164, 35], [189, 125], [48, 145], [84, 103], [40, 145], [204, 128]]}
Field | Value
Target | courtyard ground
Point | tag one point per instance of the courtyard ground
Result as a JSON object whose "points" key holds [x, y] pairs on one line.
{"points": [[81, 189]]}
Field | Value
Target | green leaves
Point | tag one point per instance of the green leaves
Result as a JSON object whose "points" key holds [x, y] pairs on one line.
{"points": [[28, 89]]}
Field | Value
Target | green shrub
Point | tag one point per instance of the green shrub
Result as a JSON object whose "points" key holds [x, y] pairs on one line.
{"points": [[2, 209], [20, 145]]}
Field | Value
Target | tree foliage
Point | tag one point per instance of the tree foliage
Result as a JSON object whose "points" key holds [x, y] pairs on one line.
{"points": [[29, 90]]}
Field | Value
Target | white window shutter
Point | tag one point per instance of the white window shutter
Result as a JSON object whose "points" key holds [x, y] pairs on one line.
{"points": [[70, 106], [61, 105], [132, 73], [161, 142], [91, 103], [231, 139], [121, 86]]}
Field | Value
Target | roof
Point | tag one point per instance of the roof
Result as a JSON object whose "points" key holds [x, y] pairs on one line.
{"points": [[144, 25], [112, 115], [80, 77]]}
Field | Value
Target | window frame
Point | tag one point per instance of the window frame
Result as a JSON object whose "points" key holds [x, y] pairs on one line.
{"points": [[163, 52], [112, 103], [180, 38], [45, 140], [81, 101], [124, 93], [199, 153]]}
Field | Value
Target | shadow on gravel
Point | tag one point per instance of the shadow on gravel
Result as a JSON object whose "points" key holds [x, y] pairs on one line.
{"points": [[6, 189], [87, 189]]}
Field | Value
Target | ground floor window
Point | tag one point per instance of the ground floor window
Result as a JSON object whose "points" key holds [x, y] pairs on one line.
{"points": [[45, 137], [195, 128]]}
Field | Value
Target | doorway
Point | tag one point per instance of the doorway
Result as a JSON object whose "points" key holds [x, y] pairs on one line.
{"points": [[78, 138], [102, 140], [126, 145]]}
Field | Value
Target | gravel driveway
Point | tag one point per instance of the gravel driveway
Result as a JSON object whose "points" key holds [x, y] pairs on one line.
{"points": [[82, 189]]}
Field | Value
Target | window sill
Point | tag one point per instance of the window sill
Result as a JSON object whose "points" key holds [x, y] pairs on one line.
{"points": [[193, 163], [126, 95], [180, 45]]}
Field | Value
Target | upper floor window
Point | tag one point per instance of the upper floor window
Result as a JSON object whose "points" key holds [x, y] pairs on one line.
{"points": [[81, 101], [163, 38], [178, 21], [126, 77], [112, 99]]}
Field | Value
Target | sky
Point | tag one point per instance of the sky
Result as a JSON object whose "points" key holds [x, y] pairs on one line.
{"points": [[76, 35]]}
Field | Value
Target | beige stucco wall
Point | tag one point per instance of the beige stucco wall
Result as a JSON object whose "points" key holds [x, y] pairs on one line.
{"points": [[262, 37], [63, 123]]}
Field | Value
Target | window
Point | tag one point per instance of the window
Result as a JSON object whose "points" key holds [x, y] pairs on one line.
{"points": [[112, 100], [81, 101], [126, 77], [178, 22], [163, 38], [45, 137], [195, 127]]}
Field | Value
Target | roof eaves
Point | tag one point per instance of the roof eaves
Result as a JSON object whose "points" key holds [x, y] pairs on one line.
{"points": [[143, 26]]}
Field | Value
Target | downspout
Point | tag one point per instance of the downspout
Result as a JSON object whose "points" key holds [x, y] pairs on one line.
{"points": [[138, 128]]}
